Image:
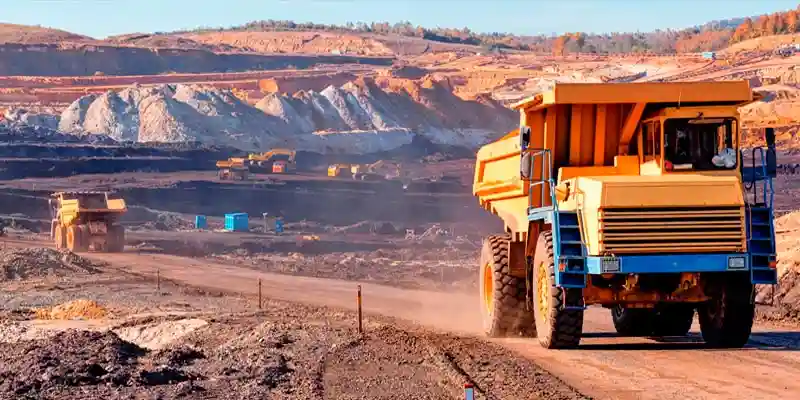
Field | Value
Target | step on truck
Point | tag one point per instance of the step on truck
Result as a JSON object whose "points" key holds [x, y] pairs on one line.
{"points": [[632, 196]]}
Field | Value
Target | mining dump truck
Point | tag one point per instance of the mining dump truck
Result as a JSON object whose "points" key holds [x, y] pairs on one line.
{"points": [[634, 197], [234, 168], [83, 221]]}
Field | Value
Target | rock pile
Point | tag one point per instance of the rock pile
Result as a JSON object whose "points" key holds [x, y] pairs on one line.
{"points": [[18, 264], [75, 309], [68, 359], [358, 117]]}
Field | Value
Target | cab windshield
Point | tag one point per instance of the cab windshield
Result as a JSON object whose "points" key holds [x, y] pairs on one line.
{"points": [[699, 144]]}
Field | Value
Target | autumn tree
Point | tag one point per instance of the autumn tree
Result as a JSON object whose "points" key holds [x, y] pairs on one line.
{"points": [[778, 24], [560, 44], [743, 31], [791, 21]]}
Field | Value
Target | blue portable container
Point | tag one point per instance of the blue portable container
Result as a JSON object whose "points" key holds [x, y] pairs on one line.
{"points": [[237, 222], [200, 222]]}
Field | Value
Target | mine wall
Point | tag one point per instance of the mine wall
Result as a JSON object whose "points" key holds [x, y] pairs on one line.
{"points": [[53, 60]]}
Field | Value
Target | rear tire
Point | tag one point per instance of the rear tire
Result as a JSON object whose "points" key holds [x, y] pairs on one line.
{"points": [[115, 242], [633, 321], [673, 320], [726, 320], [556, 327], [502, 295]]}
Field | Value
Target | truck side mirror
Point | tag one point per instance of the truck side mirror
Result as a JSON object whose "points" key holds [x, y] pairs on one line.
{"points": [[524, 137], [769, 134]]}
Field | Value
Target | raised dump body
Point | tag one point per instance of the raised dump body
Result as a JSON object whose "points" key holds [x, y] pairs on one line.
{"points": [[632, 196], [83, 221]]}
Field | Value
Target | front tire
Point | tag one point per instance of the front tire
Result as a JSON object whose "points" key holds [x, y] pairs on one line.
{"points": [[556, 327], [59, 236], [502, 295], [726, 320]]}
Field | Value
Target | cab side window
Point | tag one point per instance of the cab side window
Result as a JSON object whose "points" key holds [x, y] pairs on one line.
{"points": [[647, 132], [657, 139]]}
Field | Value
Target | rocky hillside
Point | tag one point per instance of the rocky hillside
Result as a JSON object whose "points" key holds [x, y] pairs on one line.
{"points": [[358, 117]]}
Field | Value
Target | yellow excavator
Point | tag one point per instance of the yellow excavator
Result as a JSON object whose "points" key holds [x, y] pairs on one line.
{"points": [[276, 161]]}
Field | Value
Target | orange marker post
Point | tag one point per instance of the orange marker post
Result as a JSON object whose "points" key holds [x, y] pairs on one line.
{"points": [[358, 299]]}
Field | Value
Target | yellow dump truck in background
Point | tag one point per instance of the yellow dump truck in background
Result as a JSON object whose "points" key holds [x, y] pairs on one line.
{"points": [[632, 196], [335, 170], [234, 168], [83, 221]]}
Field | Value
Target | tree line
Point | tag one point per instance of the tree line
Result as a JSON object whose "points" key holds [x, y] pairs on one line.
{"points": [[708, 37]]}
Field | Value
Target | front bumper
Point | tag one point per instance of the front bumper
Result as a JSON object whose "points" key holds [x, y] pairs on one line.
{"points": [[674, 263]]}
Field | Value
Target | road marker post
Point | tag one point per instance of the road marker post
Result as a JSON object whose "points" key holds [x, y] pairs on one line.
{"points": [[158, 281], [358, 299], [259, 293]]}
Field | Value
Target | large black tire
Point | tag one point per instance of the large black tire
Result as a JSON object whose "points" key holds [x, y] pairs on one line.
{"points": [[556, 327], [726, 320], [673, 320], [115, 242], [76, 239], [633, 321], [502, 296]]}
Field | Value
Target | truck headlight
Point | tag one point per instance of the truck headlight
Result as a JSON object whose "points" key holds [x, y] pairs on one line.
{"points": [[737, 263]]}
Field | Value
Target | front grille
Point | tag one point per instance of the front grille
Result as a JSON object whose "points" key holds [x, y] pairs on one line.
{"points": [[671, 230]]}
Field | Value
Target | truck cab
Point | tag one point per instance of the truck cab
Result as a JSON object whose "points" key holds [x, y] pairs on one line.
{"points": [[675, 140]]}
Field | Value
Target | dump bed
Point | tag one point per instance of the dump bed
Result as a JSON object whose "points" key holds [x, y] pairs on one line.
{"points": [[581, 125], [90, 202]]}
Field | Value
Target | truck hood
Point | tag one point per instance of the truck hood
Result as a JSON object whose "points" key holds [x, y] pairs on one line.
{"points": [[659, 191]]}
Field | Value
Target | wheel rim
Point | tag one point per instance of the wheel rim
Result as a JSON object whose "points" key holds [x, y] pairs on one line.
{"points": [[542, 289], [618, 310], [488, 288]]}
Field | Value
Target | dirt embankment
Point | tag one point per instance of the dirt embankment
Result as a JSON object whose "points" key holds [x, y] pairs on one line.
{"points": [[41, 160], [88, 59], [30, 158]]}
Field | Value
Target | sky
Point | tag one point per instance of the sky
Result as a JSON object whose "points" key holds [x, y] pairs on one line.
{"points": [[101, 18]]}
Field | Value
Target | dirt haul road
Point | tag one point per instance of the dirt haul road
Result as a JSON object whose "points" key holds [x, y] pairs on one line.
{"points": [[604, 367]]}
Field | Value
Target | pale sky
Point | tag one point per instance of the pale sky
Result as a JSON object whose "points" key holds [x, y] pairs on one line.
{"points": [[101, 18]]}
